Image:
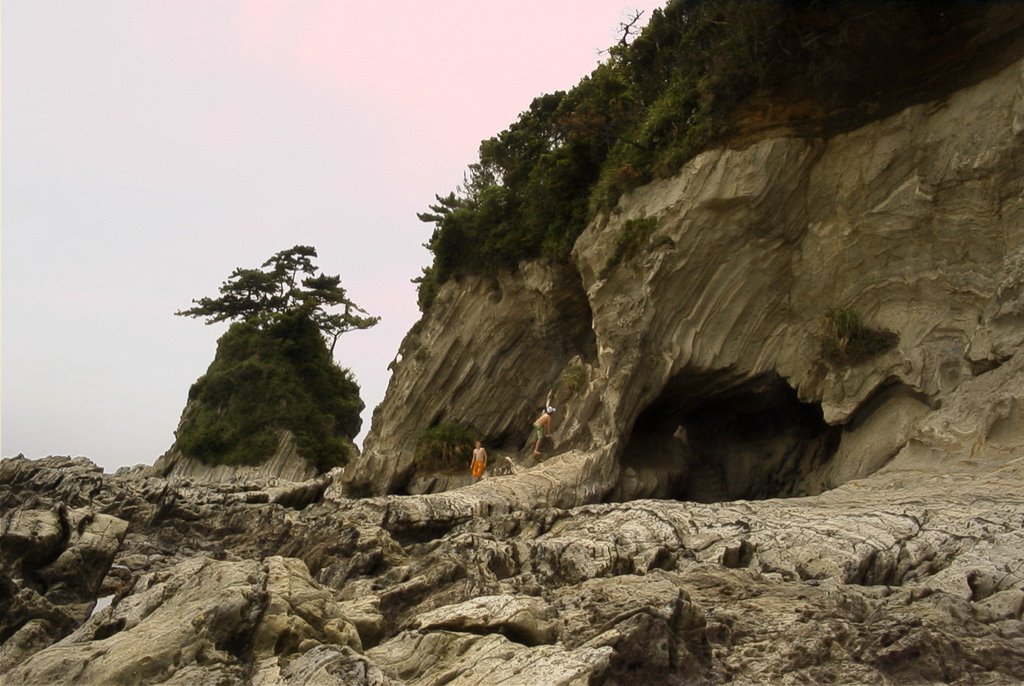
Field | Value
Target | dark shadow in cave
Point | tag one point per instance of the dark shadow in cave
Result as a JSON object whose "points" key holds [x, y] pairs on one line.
{"points": [[715, 437]]}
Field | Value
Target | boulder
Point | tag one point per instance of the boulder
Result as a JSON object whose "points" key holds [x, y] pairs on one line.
{"points": [[202, 621], [52, 565], [523, 619]]}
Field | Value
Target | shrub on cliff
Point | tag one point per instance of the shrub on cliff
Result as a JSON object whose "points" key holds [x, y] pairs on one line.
{"points": [[846, 340], [274, 370], [262, 381], [677, 89], [628, 243], [446, 446]]}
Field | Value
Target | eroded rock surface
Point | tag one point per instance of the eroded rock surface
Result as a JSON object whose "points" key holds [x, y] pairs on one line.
{"points": [[911, 575], [286, 464], [679, 370]]}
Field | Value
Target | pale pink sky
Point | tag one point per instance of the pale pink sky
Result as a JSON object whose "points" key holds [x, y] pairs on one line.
{"points": [[151, 146]]}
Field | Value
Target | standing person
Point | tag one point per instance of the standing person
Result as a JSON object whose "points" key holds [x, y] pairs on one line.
{"points": [[541, 428], [479, 462]]}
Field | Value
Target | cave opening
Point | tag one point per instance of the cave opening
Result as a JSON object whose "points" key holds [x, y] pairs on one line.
{"points": [[715, 438]]}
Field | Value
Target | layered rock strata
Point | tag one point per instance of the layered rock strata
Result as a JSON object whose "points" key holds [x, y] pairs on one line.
{"points": [[913, 575], [285, 464], [712, 332]]}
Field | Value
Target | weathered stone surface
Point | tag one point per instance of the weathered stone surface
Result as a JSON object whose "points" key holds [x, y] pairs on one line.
{"points": [[325, 665], [52, 565], [204, 619], [26, 484], [913, 221], [30, 535], [458, 658], [285, 464], [912, 574], [88, 552], [527, 620]]}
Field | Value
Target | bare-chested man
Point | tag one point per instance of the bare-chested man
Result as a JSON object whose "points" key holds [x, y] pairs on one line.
{"points": [[479, 463], [542, 428]]}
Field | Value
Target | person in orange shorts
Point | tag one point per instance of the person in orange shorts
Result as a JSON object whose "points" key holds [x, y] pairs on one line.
{"points": [[479, 462]]}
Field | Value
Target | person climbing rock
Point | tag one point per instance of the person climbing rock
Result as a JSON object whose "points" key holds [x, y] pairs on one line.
{"points": [[479, 461], [541, 428]]}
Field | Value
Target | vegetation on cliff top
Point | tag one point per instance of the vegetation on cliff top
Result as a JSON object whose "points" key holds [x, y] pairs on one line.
{"points": [[279, 289], [274, 369], [680, 87]]}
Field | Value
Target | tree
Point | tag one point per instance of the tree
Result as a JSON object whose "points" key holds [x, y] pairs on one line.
{"points": [[324, 292], [262, 296], [274, 369], [628, 28]]}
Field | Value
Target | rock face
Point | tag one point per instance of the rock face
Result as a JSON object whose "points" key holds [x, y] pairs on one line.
{"points": [[719, 506], [187, 625], [912, 575], [285, 464], [693, 370], [54, 557], [495, 376]]}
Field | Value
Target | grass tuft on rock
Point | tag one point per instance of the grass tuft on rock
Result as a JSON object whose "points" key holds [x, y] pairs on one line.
{"points": [[632, 237], [846, 341]]}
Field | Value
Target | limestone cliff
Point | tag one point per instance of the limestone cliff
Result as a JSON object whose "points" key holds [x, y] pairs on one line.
{"points": [[699, 358]]}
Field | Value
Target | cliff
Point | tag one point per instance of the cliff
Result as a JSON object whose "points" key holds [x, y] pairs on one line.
{"points": [[713, 331]]}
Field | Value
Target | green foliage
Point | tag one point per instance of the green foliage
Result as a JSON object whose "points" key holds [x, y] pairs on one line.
{"points": [[632, 237], [261, 297], [845, 339], [653, 104], [274, 368], [264, 380], [427, 288], [574, 378], [445, 446]]}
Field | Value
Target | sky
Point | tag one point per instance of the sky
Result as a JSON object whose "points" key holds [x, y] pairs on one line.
{"points": [[150, 147]]}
